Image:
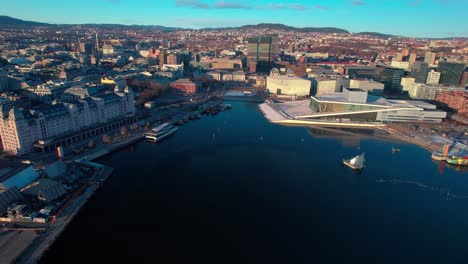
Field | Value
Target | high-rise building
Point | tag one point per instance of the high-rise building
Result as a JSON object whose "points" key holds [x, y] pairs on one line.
{"points": [[419, 71], [412, 58], [360, 72], [430, 57], [405, 52], [407, 83], [173, 59], [391, 78], [86, 48], [3, 81], [162, 58], [433, 77], [451, 73], [401, 64], [464, 79], [263, 49]]}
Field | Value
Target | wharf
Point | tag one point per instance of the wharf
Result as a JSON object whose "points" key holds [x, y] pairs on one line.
{"points": [[39, 246]]}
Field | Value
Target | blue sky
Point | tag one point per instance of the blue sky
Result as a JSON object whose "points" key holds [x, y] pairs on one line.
{"points": [[417, 18]]}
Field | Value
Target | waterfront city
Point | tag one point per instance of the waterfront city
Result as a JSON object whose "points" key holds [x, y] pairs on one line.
{"points": [[194, 141]]}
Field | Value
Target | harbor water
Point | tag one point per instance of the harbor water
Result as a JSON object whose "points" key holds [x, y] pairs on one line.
{"points": [[233, 188]]}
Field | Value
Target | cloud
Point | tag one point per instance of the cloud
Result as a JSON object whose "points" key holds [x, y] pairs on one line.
{"points": [[239, 4], [232, 5], [358, 3], [192, 3], [322, 7], [285, 6]]}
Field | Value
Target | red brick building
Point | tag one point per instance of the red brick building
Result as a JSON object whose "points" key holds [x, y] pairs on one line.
{"points": [[185, 86], [455, 100]]}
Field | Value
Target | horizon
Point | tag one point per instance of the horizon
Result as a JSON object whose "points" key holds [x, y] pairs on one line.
{"points": [[399, 17]]}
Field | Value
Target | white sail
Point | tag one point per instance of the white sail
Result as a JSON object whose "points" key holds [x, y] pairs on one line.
{"points": [[359, 161], [353, 160]]}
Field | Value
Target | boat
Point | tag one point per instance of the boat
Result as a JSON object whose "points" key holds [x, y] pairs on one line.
{"points": [[356, 163], [458, 160], [394, 150], [160, 132]]}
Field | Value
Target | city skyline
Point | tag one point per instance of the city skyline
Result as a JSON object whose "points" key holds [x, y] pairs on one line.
{"points": [[400, 17]]}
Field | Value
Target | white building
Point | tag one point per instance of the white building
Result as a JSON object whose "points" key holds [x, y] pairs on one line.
{"points": [[369, 86], [429, 92], [288, 85], [401, 64], [108, 49], [407, 83], [433, 77], [21, 129]]}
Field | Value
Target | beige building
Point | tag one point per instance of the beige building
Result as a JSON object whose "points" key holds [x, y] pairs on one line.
{"points": [[328, 85], [433, 77], [288, 85], [21, 129], [407, 83], [369, 86]]}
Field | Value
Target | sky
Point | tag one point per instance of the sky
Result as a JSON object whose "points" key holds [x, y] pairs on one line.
{"points": [[412, 18]]}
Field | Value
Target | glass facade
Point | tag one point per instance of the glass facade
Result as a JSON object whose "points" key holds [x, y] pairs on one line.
{"points": [[451, 73]]}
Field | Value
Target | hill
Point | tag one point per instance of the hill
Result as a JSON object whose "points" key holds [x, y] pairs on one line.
{"points": [[10, 21], [271, 26]]}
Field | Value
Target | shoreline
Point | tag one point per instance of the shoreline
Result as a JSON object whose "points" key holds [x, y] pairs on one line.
{"points": [[36, 250]]}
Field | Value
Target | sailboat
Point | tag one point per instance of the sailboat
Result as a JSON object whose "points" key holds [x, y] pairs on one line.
{"points": [[356, 163]]}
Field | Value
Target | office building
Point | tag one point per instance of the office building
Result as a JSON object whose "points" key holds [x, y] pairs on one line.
{"points": [[429, 92], [464, 79], [173, 59], [419, 71], [360, 72], [287, 85], [430, 57], [407, 83], [48, 126], [369, 86], [450, 73], [86, 48], [262, 50], [412, 58], [400, 64], [324, 85], [433, 77], [391, 78], [185, 86]]}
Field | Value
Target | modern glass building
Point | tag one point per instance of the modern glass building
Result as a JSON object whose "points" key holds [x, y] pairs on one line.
{"points": [[262, 50], [451, 73], [391, 78], [420, 70]]}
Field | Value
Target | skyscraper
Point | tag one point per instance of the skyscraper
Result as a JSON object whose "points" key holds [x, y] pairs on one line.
{"points": [[412, 58], [451, 72], [419, 71], [464, 79], [391, 78], [430, 57], [433, 77], [263, 50]]}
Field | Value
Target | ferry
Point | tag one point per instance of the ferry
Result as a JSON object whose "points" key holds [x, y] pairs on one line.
{"points": [[356, 163], [160, 132], [458, 160]]}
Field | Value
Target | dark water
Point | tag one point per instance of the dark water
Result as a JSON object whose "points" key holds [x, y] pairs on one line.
{"points": [[234, 188]]}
